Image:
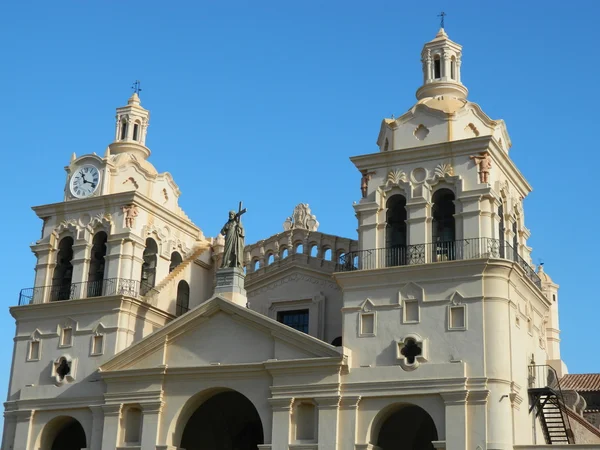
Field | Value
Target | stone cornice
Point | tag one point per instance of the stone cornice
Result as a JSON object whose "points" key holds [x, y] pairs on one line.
{"points": [[108, 201], [464, 147], [86, 306]]}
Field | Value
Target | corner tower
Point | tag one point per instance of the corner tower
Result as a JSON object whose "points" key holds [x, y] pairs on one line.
{"points": [[443, 271]]}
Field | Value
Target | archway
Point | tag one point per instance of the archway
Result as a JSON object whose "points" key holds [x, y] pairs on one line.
{"points": [[406, 426], [225, 421], [63, 433]]}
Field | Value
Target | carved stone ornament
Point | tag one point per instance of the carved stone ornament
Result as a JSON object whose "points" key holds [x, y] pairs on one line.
{"points": [[130, 212], [443, 170], [301, 219], [395, 177], [484, 164]]}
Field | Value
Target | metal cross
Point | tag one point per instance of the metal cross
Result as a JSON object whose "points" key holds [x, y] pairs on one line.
{"points": [[137, 86], [442, 15], [240, 212]]}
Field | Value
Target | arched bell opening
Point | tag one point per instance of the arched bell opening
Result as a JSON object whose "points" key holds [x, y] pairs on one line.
{"points": [[63, 433], [226, 420], [150, 257], [97, 263], [63, 272], [176, 259], [443, 232], [404, 426], [395, 231]]}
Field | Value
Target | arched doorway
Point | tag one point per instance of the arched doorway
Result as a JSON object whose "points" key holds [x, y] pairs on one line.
{"points": [[149, 266], [395, 231], [407, 426], [63, 272], [63, 433], [226, 421]]}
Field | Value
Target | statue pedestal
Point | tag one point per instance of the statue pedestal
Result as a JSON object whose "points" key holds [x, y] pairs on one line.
{"points": [[230, 285]]}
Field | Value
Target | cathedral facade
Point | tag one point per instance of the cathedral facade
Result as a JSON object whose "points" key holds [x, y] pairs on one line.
{"points": [[430, 330]]}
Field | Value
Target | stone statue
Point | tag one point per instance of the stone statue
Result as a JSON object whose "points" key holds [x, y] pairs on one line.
{"points": [[131, 213], [484, 162], [233, 231], [364, 182]]}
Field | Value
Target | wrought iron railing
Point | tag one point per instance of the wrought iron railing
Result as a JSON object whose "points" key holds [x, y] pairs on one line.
{"points": [[406, 255], [72, 291]]}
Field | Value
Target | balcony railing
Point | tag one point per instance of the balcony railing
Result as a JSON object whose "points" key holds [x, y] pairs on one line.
{"points": [[72, 291], [407, 255]]}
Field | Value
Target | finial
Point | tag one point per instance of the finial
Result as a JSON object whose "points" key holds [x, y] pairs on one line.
{"points": [[107, 152], [73, 157], [442, 15], [137, 84]]}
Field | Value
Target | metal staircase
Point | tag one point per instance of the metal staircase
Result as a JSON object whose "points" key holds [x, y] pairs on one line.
{"points": [[546, 399]]}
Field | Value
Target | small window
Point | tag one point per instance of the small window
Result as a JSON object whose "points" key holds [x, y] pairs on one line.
{"points": [[136, 129], [270, 259], [34, 351], [337, 342], [411, 311], [297, 319], [256, 265], [284, 253], [553, 297], [300, 248], [367, 324], [66, 339], [182, 304], [314, 251], [123, 130], [457, 318], [327, 254], [437, 67], [97, 344]]}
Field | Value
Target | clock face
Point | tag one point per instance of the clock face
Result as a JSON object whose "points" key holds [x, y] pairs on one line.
{"points": [[84, 181]]}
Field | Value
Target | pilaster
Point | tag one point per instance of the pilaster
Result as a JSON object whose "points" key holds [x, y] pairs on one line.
{"points": [[23, 429], [328, 422], [348, 415], [282, 408], [151, 423], [97, 427], [110, 432], [456, 420], [81, 262]]}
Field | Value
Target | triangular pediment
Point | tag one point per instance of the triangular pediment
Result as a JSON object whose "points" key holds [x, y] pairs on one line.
{"points": [[219, 332]]}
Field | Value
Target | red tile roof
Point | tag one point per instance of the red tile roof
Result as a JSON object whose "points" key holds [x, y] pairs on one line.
{"points": [[581, 382]]}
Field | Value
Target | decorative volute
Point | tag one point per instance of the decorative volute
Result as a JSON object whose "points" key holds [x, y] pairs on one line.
{"points": [[441, 60], [130, 131]]}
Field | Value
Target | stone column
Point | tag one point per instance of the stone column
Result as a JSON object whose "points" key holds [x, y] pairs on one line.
{"points": [[137, 259], [46, 262], [150, 424], [80, 263], [282, 408], [110, 432], [328, 422], [456, 420], [348, 418], [23, 429], [97, 426]]}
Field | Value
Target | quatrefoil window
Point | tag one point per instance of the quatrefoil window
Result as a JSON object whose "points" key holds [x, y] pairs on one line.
{"points": [[411, 350]]}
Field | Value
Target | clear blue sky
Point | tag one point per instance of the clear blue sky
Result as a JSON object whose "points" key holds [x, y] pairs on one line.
{"points": [[291, 90]]}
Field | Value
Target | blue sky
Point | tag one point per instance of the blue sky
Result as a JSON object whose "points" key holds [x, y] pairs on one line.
{"points": [[291, 90]]}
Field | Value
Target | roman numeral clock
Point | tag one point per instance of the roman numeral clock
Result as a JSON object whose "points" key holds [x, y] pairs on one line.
{"points": [[84, 181]]}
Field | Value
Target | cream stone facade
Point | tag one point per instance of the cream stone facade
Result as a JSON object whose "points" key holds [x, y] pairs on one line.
{"points": [[429, 330]]}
